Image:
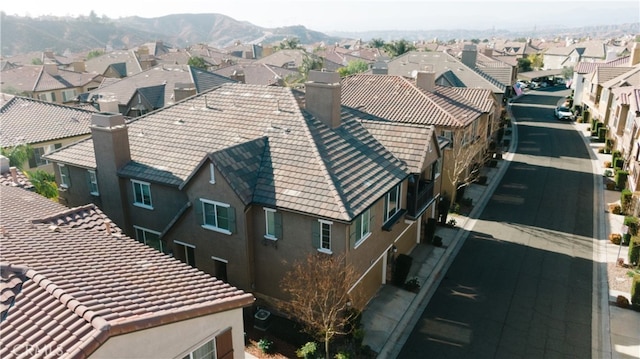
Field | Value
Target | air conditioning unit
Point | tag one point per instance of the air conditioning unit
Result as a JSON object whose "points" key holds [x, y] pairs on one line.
{"points": [[261, 319]]}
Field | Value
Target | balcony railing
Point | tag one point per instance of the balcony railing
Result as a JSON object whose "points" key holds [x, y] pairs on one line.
{"points": [[419, 198]]}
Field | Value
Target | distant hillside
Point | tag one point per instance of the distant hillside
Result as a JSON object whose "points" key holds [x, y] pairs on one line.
{"points": [[24, 34]]}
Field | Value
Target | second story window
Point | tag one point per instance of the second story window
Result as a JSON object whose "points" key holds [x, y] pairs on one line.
{"points": [[360, 228], [150, 238], [93, 183], [217, 216], [321, 236], [65, 181], [142, 194], [392, 203], [273, 224]]}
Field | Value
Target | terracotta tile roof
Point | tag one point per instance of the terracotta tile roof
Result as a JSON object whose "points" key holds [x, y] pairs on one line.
{"points": [[398, 99], [25, 120], [170, 75], [441, 62], [283, 57], [21, 79], [83, 286], [99, 64], [258, 74], [63, 80], [88, 217], [586, 67], [314, 169], [628, 78], [603, 74], [20, 180], [12, 279]]}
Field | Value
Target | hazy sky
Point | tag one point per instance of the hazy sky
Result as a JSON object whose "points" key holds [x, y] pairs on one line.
{"points": [[358, 15]]}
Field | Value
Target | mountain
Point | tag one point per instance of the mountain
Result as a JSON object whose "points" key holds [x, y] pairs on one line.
{"points": [[24, 34]]}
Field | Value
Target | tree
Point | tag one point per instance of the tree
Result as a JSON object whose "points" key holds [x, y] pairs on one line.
{"points": [[17, 155], [524, 65], [318, 289], [292, 43], [475, 41], [353, 67], [376, 43], [94, 53], [399, 47], [44, 183], [36, 61], [465, 158], [567, 72], [536, 61], [197, 62]]}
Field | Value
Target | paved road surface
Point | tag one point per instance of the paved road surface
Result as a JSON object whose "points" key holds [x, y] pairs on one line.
{"points": [[521, 286]]}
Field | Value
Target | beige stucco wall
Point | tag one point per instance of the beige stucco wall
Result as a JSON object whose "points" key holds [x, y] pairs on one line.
{"points": [[176, 339]]}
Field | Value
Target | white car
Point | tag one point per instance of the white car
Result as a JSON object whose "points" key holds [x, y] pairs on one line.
{"points": [[564, 113]]}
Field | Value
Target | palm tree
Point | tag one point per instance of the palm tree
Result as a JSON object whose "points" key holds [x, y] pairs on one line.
{"points": [[398, 47], [376, 43], [292, 44]]}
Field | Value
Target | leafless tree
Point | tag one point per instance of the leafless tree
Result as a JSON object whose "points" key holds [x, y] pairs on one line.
{"points": [[319, 297], [465, 159]]}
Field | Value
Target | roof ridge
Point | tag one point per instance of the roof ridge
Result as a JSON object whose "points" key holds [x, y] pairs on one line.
{"points": [[55, 104], [323, 168]]}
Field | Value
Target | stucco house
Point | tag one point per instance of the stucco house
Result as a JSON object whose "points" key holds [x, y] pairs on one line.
{"points": [[73, 286], [44, 126], [242, 180]]}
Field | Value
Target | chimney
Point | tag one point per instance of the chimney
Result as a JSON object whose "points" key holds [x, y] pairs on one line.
{"points": [[488, 52], [380, 68], [426, 80], [51, 68], [110, 137], [79, 66], [108, 103], [635, 54], [183, 90], [238, 76], [469, 55], [322, 97], [4, 164], [14, 174]]}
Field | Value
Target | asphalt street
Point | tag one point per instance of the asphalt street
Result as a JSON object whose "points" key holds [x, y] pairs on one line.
{"points": [[521, 285]]}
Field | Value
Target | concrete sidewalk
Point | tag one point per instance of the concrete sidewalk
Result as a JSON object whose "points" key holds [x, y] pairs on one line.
{"points": [[390, 317]]}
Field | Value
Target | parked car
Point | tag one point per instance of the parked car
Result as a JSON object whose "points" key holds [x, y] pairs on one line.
{"points": [[564, 113], [523, 85]]}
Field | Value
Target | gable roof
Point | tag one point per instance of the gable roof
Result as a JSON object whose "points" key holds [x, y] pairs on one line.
{"points": [[440, 62], [25, 120], [81, 286], [169, 75], [398, 99], [258, 74], [100, 63], [631, 77], [333, 173]]}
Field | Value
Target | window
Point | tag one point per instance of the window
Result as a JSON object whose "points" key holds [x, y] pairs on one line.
{"points": [[47, 96], [325, 235], [392, 203], [273, 224], [186, 253], [142, 194], [206, 351], [212, 173], [216, 216], [219, 347], [321, 236], [149, 237], [360, 228], [68, 95], [93, 183], [220, 268], [65, 182], [36, 158], [436, 170]]}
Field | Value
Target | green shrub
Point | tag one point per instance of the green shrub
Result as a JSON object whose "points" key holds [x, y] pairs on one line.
{"points": [[619, 162], [602, 134], [621, 178], [632, 223], [615, 238], [308, 351], [343, 355], [635, 291], [634, 251], [265, 345], [625, 199]]}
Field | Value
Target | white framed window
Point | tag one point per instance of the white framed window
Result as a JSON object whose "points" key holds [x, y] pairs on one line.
{"points": [[270, 232], [142, 194], [325, 236], [149, 237], [361, 228], [64, 176], [68, 95], [217, 216], [392, 202], [212, 173], [93, 183], [205, 351], [47, 96], [220, 346], [437, 168]]}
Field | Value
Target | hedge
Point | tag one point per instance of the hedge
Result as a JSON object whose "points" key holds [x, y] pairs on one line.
{"points": [[634, 250], [635, 291], [621, 178]]}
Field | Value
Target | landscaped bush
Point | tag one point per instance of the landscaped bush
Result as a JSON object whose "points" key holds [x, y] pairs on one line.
{"points": [[608, 173], [621, 178], [586, 115], [632, 223], [635, 291], [622, 301], [602, 134], [615, 208], [625, 199], [265, 345], [607, 164], [634, 251], [615, 238], [308, 351]]}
